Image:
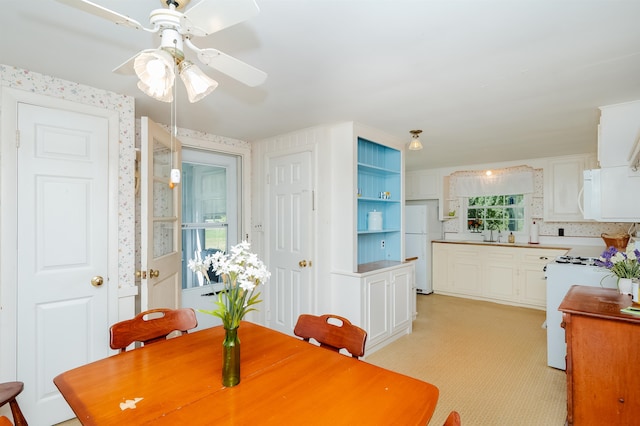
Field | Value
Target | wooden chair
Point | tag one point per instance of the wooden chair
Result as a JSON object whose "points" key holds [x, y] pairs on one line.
{"points": [[151, 326], [453, 419], [335, 335], [9, 391]]}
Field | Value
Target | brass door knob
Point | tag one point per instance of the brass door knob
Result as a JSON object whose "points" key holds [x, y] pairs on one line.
{"points": [[302, 263], [154, 273], [97, 281]]}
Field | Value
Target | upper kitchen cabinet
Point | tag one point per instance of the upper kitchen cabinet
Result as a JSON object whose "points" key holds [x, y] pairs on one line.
{"points": [[367, 198], [618, 131], [422, 185], [563, 187]]}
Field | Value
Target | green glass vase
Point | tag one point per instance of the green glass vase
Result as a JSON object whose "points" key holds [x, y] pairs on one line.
{"points": [[231, 357]]}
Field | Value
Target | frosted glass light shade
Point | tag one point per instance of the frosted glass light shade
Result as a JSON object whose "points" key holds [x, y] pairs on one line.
{"points": [[198, 84], [415, 144], [155, 71]]}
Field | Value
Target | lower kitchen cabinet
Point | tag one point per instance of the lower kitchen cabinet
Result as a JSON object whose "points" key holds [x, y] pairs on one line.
{"points": [[603, 361], [500, 274], [465, 271], [381, 301], [511, 275], [534, 281]]}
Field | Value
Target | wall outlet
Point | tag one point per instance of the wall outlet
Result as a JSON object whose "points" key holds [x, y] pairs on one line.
{"points": [[381, 244]]}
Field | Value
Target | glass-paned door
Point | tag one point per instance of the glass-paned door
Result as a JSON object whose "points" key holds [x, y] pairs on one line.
{"points": [[210, 208]]}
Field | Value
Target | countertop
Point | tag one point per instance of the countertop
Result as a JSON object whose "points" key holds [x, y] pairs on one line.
{"points": [[575, 250], [519, 245]]}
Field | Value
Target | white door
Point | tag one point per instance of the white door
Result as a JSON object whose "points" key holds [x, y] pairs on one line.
{"points": [[210, 221], [62, 252], [161, 251], [290, 253]]}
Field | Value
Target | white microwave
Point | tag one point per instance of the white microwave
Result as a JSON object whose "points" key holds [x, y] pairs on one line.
{"points": [[612, 194]]}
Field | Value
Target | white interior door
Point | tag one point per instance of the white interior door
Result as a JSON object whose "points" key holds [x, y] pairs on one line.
{"points": [[62, 252], [161, 251], [290, 248]]}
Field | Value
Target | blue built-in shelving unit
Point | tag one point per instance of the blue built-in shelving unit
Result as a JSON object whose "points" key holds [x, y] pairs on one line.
{"points": [[379, 189]]}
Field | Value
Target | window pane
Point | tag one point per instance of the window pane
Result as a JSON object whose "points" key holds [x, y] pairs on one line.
{"points": [[498, 212], [204, 218]]}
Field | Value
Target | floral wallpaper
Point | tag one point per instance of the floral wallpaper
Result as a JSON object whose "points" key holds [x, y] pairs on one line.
{"points": [[124, 105]]}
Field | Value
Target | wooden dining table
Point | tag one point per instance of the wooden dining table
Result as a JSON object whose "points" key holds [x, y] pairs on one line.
{"points": [[284, 380]]}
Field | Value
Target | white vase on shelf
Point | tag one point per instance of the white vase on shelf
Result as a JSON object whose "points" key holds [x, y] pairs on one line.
{"points": [[624, 285]]}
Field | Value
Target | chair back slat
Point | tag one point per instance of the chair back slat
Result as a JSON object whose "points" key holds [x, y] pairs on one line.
{"points": [[453, 419], [332, 332], [151, 326]]}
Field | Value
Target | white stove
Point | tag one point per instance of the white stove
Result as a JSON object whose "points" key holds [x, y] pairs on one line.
{"points": [[576, 260], [561, 274]]}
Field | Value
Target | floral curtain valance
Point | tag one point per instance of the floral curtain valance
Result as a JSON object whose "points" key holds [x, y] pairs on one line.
{"points": [[479, 184]]}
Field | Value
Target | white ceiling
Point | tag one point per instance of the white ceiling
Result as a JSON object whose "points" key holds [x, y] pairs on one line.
{"points": [[485, 80]]}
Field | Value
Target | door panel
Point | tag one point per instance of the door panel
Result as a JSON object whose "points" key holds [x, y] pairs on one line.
{"points": [[290, 288], [62, 243], [161, 251]]}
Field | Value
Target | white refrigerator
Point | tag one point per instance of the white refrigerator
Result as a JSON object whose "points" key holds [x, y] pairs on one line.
{"points": [[421, 227]]}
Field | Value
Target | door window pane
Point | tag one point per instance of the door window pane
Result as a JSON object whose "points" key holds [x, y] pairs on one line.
{"points": [[209, 208]]}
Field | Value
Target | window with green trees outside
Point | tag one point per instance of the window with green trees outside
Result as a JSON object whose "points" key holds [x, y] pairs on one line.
{"points": [[496, 212]]}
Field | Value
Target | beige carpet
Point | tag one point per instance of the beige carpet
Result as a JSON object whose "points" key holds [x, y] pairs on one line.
{"points": [[488, 360]]}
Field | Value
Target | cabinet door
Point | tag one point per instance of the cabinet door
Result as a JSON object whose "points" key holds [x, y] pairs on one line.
{"points": [[401, 293], [533, 281], [377, 307], [422, 185], [618, 130], [440, 268], [465, 270], [534, 285], [563, 182], [500, 272]]}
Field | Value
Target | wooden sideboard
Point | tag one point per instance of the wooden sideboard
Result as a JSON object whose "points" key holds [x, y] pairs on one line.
{"points": [[603, 357]]}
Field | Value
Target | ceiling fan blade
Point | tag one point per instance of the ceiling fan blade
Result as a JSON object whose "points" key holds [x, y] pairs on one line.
{"points": [[126, 68], [209, 16], [232, 67], [102, 12]]}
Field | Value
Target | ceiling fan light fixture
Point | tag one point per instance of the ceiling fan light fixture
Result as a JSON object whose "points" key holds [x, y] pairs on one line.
{"points": [[158, 93], [415, 144], [198, 84], [155, 71]]}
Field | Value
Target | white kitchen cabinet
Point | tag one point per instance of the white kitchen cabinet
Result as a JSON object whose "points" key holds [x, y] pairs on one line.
{"points": [[617, 133], [449, 206], [499, 273], [534, 282], [465, 270], [380, 301], [422, 185], [504, 274], [563, 183], [440, 268]]}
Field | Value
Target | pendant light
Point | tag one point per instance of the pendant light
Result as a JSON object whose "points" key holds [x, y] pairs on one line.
{"points": [[415, 144]]}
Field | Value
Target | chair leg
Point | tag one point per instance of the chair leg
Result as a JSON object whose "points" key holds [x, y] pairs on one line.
{"points": [[18, 417]]}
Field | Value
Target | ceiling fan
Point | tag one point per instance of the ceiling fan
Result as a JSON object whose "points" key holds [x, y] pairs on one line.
{"points": [[155, 67]]}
